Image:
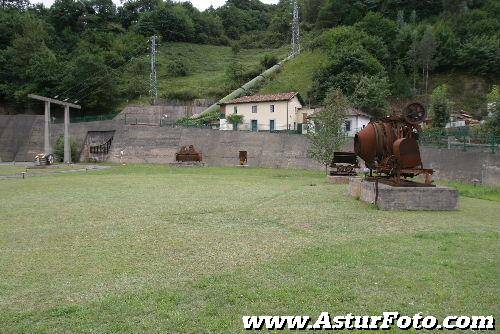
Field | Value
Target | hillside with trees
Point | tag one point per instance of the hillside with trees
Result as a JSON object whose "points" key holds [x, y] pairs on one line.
{"points": [[395, 53], [374, 52]]}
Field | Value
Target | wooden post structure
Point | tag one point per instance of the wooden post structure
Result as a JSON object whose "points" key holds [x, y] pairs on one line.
{"points": [[46, 138], [67, 148], [66, 105]]}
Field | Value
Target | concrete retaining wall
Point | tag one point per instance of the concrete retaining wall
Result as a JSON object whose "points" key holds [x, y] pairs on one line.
{"points": [[21, 138], [454, 164]]}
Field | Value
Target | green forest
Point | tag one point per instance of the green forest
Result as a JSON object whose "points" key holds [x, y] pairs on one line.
{"points": [[375, 51]]}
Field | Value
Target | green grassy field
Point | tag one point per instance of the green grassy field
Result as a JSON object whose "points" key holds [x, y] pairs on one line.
{"points": [[18, 169], [156, 249]]}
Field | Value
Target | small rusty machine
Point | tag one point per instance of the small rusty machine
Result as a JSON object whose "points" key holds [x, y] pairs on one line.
{"points": [[344, 164], [389, 146], [243, 158], [44, 159], [188, 154]]}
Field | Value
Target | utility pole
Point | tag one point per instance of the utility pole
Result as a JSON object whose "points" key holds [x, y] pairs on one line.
{"points": [[152, 77], [295, 29], [66, 105]]}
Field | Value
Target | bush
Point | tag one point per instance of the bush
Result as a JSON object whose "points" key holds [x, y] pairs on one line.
{"points": [[177, 68], [268, 61], [59, 149], [235, 48], [181, 95], [235, 119], [440, 106]]}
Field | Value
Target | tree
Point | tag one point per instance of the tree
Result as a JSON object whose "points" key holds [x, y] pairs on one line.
{"points": [[480, 55], [427, 52], [375, 24], [440, 107], [494, 109], [178, 68], [14, 4], [268, 61], [59, 149], [235, 119], [413, 60], [400, 86], [357, 73], [371, 94], [327, 136]]}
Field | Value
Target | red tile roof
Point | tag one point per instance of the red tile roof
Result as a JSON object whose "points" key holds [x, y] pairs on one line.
{"points": [[262, 98], [356, 112]]}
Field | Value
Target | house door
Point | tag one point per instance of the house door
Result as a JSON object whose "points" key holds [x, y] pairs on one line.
{"points": [[254, 125], [271, 125]]}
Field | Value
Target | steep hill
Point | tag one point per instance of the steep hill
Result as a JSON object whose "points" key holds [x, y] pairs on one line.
{"points": [[206, 67], [297, 74]]}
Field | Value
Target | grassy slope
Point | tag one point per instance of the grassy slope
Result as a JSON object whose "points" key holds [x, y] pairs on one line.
{"points": [[297, 74], [207, 67], [150, 249]]}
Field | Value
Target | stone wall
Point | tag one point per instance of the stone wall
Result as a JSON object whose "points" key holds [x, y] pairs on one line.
{"points": [[21, 138], [454, 164]]}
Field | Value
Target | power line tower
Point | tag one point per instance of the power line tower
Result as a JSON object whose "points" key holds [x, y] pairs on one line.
{"points": [[152, 77], [295, 29]]}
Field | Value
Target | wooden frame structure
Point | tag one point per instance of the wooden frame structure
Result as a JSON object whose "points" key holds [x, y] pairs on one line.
{"points": [[66, 105]]}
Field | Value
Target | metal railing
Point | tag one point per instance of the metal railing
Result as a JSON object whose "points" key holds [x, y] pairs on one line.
{"points": [[462, 139], [81, 119]]}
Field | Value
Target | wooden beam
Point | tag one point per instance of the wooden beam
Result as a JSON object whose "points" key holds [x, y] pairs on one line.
{"points": [[48, 99]]}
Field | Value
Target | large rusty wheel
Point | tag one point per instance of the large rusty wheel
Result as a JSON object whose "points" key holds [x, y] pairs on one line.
{"points": [[414, 113]]}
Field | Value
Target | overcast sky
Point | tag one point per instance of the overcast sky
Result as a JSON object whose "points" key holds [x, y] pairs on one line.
{"points": [[200, 4]]}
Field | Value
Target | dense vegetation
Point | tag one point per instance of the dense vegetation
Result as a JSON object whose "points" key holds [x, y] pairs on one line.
{"points": [[93, 52]]}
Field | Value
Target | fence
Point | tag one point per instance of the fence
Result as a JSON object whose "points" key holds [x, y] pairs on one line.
{"points": [[86, 118], [462, 139]]}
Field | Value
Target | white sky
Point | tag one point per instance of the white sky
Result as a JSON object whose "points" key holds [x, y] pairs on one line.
{"points": [[200, 4]]}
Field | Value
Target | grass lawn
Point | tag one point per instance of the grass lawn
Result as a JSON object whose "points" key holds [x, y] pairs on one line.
{"points": [[155, 249], [491, 193], [6, 170]]}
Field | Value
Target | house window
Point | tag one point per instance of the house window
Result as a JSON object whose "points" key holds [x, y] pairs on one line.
{"points": [[254, 109], [235, 109], [347, 126], [271, 108]]}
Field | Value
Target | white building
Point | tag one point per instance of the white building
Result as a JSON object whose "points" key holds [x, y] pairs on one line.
{"points": [[355, 121], [268, 112]]}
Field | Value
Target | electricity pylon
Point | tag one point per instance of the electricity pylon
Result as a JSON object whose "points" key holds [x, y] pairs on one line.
{"points": [[152, 77], [295, 29]]}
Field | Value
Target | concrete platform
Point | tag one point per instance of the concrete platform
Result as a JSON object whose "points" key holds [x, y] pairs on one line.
{"points": [[338, 179], [437, 198], [188, 164]]}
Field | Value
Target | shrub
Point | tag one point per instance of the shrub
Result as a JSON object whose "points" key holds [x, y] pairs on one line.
{"points": [[177, 68], [268, 61], [59, 149], [440, 106], [235, 119], [181, 95]]}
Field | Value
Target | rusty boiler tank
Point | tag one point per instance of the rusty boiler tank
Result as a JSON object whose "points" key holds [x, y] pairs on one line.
{"points": [[389, 146]]}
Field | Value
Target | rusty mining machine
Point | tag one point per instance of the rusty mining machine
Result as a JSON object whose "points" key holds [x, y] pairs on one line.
{"points": [[389, 147]]}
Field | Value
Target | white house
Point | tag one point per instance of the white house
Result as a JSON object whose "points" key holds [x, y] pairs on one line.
{"points": [[461, 119], [268, 112], [355, 121]]}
